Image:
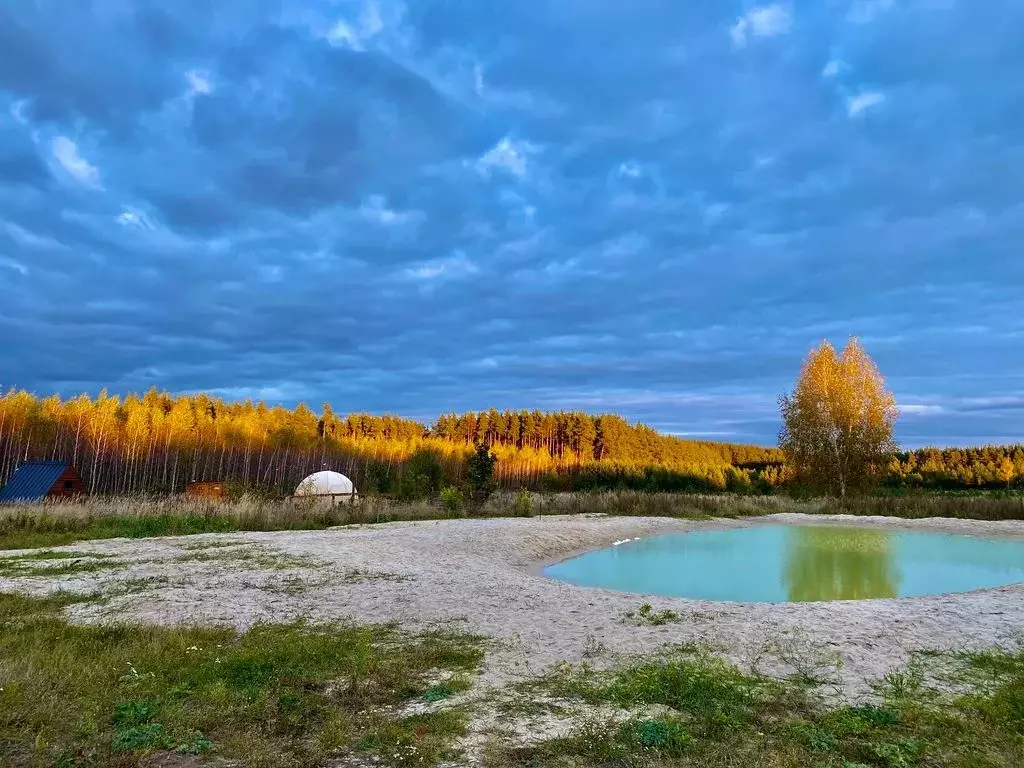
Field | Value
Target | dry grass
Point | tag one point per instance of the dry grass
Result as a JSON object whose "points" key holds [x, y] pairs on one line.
{"points": [[45, 525]]}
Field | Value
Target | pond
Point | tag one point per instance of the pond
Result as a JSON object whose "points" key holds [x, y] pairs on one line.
{"points": [[798, 563]]}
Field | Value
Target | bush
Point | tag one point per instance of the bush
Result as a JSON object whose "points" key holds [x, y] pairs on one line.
{"points": [[523, 504], [452, 498], [422, 477]]}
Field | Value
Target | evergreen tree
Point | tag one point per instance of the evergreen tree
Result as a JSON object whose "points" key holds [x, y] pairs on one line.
{"points": [[480, 473]]}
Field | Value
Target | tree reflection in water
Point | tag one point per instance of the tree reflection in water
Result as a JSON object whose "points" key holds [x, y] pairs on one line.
{"points": [[825, 563]]}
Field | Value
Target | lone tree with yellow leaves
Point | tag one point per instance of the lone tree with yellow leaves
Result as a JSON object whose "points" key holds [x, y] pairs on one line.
{"points": [[837, 425]]}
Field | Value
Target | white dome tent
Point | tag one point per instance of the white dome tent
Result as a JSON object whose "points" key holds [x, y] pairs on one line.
{"points": [[327, 485]]}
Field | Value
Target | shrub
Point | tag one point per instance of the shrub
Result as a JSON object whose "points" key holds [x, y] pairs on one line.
{"points": [[523, 504], [422, 476], [452, 498]]}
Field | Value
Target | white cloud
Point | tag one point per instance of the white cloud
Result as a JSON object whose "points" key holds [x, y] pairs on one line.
{"points": [[630, 169], [370, 21], [18, 111], [130, 218], [199, 82], [454, 266], [857, 104], [356, 34], [375, 209], [832, 69], [624, 246], [65, 152], [503, 98], [478, 80], [921, 410], [507, 155], [714, 212], [866, 11], [343, 34], [761, 21], [27, 239], [271, 273], [17, 266], [562, 267]]}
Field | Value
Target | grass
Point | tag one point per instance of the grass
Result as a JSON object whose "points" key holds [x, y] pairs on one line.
{"points": [[969, 506], [46, 525], [277, 695], [646, 616], [255, 556], [694, 709], [47, 563]]}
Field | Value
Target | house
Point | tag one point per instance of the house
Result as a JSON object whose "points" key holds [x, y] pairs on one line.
{"points": [[38, 480]]}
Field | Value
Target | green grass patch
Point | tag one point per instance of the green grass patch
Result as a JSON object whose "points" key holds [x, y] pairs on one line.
{"points": [[44, 529], [48, 563], [694, 709], [277, 695], [252, 555], [445, 690], [416, 740]]}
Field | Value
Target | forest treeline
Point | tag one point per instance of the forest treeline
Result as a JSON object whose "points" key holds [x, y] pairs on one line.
{"points": [[158, 442]]}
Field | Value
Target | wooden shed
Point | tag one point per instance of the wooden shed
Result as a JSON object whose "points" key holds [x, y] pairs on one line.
{"points": [[205, 489], [38, 480]]}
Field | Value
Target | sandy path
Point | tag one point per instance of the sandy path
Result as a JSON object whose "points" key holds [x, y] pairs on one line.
{"points": [[483, 576]]}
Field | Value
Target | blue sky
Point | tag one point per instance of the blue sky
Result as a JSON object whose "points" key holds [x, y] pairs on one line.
{"points": [[651, 207]]}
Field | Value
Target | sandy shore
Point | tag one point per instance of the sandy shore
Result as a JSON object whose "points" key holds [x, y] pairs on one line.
{"points": [[484, 576]]}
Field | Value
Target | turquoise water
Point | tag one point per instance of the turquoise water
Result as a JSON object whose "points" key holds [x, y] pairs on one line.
{"points": [[784, 563]]}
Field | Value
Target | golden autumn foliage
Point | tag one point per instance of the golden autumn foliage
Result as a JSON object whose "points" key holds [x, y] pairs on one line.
{"points": [[158, 442], [837, 431]]}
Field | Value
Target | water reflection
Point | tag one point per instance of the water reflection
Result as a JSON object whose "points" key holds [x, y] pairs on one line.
{"points": [[825, 563]]}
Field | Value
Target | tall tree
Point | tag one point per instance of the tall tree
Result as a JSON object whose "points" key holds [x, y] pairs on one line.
{"points": [[480, 473], [837, 424]]}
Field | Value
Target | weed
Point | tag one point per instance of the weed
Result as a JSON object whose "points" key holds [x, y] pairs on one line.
{"points": [[416, 740], [667, 736], [899, 754], [901, 684], [147, 736], [195, 743], [646, 616], [592, 647], [447, 689]]}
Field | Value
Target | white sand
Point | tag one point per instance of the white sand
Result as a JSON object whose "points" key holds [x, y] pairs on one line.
{"points": [[484, 576]]}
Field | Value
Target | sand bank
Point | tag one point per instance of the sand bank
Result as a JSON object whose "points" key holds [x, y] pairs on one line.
{"points": [[484, 576]]}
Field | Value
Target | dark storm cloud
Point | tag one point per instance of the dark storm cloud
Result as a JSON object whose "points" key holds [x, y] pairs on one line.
{"points": [[653, 209]]}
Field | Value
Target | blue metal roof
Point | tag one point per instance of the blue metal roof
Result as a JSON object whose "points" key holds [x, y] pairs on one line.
{"points": [[32, 480]]}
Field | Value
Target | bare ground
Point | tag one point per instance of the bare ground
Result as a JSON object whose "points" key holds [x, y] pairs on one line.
{"points": [[483, 576]]}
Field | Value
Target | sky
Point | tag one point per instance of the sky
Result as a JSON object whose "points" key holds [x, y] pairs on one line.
{"points": [[651, 207]]}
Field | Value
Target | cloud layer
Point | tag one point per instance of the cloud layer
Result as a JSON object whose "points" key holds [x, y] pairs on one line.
{"points": [[654, 210]]}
